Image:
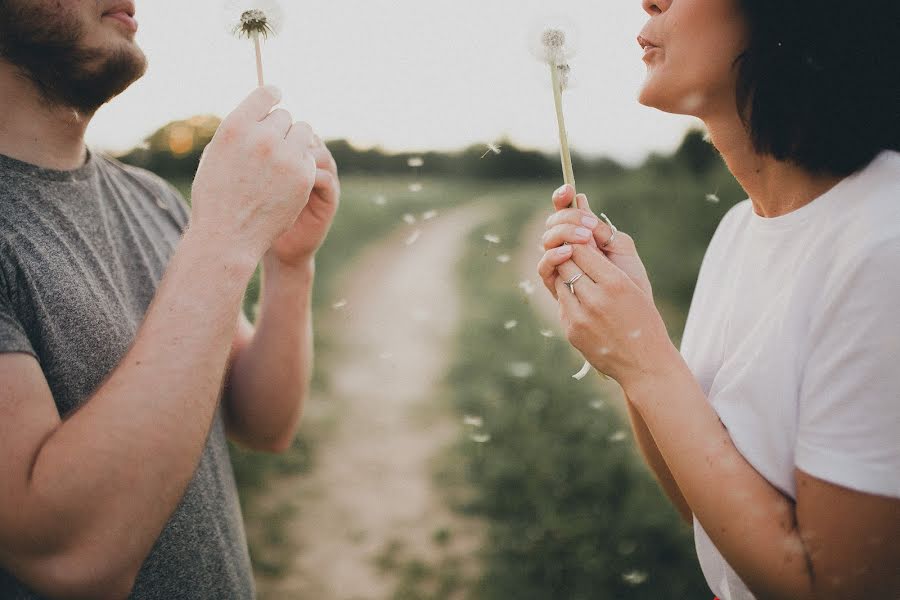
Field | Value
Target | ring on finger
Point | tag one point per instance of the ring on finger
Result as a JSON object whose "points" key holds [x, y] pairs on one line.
{"points": [[570, 283], [615, 231]]}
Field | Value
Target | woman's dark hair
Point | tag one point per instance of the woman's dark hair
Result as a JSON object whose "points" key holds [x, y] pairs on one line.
{"points": [[819, 83]]}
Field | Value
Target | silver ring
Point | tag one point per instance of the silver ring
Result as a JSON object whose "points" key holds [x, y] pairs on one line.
{"points": [[615, 231], [571, 282]]}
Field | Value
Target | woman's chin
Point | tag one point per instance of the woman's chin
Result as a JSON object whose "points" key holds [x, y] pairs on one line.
{"points": [[666, 99]]}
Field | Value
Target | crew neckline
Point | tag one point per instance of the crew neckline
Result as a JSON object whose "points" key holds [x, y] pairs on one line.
{"points": [[9, 164], [817, 206]]}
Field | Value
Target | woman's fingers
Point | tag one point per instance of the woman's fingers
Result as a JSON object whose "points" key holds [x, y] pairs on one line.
{"points": [[548, 264], [563, 197], [566, 234]]}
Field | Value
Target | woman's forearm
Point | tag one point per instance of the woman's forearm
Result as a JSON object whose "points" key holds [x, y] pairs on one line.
{"points": [[751, 522], [657, 463]]}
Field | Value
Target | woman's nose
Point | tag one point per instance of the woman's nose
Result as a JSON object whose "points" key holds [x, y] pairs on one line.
{"points": [[655, 7]]}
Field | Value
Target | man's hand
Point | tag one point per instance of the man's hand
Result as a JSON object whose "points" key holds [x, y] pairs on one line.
{"points": [[299, 243], [255, 177]]}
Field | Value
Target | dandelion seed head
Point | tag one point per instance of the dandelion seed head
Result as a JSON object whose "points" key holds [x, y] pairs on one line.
{"points": [[511, 324], [634, 577], [250, 18], [554, 41], [480, 438], [565, 76], [473, 421], [503, 259], [520, 370]]}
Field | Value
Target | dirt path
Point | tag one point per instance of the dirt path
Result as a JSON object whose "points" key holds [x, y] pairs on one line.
{"points": [[370, 503], [546, 307]]}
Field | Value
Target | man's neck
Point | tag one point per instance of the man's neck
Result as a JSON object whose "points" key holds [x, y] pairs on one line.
{"points": [[36, 132], [775, 187]]}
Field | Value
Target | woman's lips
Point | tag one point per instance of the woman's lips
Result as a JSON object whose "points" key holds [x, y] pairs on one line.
{"points": [[648, 46]]}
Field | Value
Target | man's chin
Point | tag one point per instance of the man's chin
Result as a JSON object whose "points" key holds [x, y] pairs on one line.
{"points": [[91, 90]]}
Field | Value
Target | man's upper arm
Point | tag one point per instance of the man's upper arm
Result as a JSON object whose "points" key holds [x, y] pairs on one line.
{"points": [[28, 416], [852, 540]]}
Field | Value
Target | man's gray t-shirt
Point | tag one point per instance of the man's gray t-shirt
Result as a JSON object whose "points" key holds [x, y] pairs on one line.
{"points": [[81, 255]]}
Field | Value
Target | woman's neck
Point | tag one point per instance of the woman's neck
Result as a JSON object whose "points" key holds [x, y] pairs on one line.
{"points": [[775, 187]]}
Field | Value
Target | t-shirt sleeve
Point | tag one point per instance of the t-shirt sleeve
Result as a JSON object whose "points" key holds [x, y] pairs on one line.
{"points": [[849, 412], [12, 334]]}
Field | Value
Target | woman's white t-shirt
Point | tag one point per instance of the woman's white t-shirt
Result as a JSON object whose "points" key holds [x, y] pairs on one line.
{"points": [[794, 335]]}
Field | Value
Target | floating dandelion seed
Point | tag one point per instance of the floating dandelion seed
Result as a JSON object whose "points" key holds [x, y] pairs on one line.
{"points": [[712, 198], [415, 187], [412, 239], [491, 238], [585, 369], [547, 333], [618, 436], [409, 219], [379, 200], [491, 148], [480, 438], [512, 324], [503, 259], [339, 304], [634, 577], [473, 421], [415, 162], [429, 215], [521, 370], [386, 355], [527, 287], [604, 350], [635, 334], [255, 19], [598, 404]]}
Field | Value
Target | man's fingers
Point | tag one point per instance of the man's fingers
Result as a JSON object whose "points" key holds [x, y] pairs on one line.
{"points": [[327, 186], [581, 201], [258, 104], [279, 120], [548, 263], [301, 136]]}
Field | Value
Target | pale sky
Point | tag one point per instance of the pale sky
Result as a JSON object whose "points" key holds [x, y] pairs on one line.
{"points": [[409, 75]]}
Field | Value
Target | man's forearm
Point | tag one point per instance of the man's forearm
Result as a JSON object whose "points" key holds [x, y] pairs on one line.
{"points": [[269, 379], [112, 474]]}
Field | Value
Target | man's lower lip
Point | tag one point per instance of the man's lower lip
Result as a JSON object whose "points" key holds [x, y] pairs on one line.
{"points": [[125, 19]]}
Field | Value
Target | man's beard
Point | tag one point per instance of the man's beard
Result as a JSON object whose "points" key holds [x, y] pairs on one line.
{"points": [[47, 49]]}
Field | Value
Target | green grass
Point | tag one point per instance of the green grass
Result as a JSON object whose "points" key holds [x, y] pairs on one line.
{"points": [[572, 510]]}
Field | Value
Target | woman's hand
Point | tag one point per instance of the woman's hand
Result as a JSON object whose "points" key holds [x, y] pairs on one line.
{"points": [[299, 244], [563, 228], [610, 315]]}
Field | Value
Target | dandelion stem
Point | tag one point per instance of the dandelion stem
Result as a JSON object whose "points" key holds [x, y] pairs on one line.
{"points": [[565, 154], [259, 65]]}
